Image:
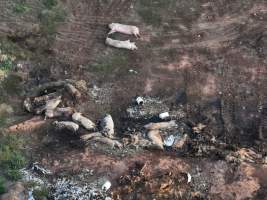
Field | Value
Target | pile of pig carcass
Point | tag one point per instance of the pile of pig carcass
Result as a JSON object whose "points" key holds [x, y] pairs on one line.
{"points": [[47, 98], [125, 29]]}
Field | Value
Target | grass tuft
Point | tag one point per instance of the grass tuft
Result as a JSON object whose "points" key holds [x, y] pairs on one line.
{"points": [[12, 158], [109, 64]]}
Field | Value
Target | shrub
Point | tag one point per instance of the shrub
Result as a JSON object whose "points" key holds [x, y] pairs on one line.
{"points": [[20, 8], [41, 193], [49, 3], [11, 156], [2, 187]]}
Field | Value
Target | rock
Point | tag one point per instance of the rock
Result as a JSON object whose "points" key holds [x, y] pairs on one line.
{"points": [[85, 122]]}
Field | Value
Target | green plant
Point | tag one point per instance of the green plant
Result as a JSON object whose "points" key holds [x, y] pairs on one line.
{"points": [[151, 17], [12, 84], [41, 193], [2, 187], [50, 18], [13, 174], [110, 64], [6, 64], [11, 156], [49, 3], [21, 7], [152, 10]]}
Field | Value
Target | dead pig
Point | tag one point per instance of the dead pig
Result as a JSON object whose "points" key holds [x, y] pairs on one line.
{"points": [[107, 126], [50, 106], [155, 137], [85, 122], [66, 125], [125, 29], [160, 125], [121, 44]]}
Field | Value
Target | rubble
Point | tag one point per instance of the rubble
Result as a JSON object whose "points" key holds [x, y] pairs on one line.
{"points": [[168, 141], [153, 107], [139, 101], [39, 169], [106, 186], [164, 115], [189, 178]]}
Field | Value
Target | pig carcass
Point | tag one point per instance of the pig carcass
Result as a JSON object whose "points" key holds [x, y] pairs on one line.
{"points": [[121, 44], [122, 28]]}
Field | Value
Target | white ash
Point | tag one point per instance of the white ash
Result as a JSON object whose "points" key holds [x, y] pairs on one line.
{"points": [[72, 190]]}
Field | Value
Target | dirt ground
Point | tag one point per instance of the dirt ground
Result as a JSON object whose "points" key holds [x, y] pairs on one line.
{"points": [[212, 52]]}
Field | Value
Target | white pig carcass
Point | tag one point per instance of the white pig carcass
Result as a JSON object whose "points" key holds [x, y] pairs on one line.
{"points": [[126, 29], [121, 44]]}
